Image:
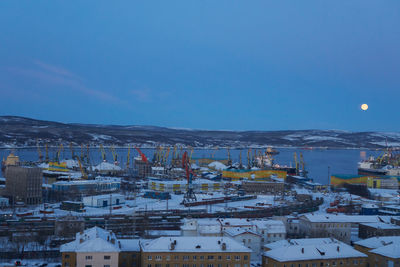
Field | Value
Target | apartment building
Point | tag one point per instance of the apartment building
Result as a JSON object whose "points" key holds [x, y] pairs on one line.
{"points": [[194, 252], [307, 253], [381, 251]]}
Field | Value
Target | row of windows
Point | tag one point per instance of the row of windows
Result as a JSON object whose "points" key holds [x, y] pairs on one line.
{"points": [[107, 265], [194, 265], [331, 225], [186, 257], [89, 257], [321, 264]]}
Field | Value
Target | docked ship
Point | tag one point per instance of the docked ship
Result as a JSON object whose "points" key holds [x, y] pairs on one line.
{"points": [[386, 164]]}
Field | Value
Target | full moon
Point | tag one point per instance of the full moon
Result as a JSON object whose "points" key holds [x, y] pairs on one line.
{"points": [[364, 106]]}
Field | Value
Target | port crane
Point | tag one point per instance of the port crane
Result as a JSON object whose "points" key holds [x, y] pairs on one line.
{"points": [[114, 154], [189, 195], [72, 150], [128, 157], [103, 153], [143, 156], [47, 159], [83, 173], [229, 157], [39, 152]]}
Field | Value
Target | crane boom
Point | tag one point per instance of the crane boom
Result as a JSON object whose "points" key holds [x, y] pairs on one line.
{"points": [[144, 158]]}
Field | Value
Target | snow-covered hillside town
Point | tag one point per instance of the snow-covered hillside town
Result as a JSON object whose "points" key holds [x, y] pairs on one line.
{"points": [[177, 210]]}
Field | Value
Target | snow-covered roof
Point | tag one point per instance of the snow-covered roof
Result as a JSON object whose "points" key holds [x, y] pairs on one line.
{"points": [[130, 244], [71, 163], [193, 245], [391, 251], [105, 196], [106, 166], [379, 241], [380, 225], [92, 240], [341, 218], [332, 250], [271, 226], [217, 166], [239, 231], [300, 242]]}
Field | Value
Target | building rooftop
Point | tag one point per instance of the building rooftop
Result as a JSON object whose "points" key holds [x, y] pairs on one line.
{"points": [[380, 225], [317, 251], [191, 244], [391, 251], [379, 241], [341, 218], [300, 242]]}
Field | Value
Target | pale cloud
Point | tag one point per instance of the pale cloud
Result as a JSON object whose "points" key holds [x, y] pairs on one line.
{"points": [[60, 76], [148, 95]]}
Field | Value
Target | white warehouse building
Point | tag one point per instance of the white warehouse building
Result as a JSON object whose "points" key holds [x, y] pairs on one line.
{"points": [[103, 200]]}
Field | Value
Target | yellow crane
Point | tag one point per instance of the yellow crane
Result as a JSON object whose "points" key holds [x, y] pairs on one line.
{"points": [[114, 154], [88, 154], [82, 155], [47, 159], [302, 164], [240, 160], [72, 150], [103, 153], [58, 154], [38, 149], [229, 156], [191, 153], [83, 173], [296, 163], [215, 150], [166, 155], [128, 157]]}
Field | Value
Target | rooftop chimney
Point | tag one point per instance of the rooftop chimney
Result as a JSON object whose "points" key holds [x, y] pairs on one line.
{"points": [[223, 247], [338, 248], [112, 241], [172, 247], [302, 250]]}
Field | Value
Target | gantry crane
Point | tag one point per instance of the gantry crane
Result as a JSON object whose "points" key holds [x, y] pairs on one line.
{"points": [[103, 153]]}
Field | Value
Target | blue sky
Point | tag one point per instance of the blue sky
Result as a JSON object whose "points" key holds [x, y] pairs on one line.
{"points": [[240, 65]]}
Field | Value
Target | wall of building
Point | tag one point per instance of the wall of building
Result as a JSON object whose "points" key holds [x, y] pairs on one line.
{"points": [[24, 184], [351, 262], [96, 259], [178, 259]]}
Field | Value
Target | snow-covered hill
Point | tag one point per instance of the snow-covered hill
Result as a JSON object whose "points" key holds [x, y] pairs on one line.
{"points": [[19, 131]]}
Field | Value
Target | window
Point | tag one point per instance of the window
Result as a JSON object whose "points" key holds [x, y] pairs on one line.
{"points": [[168, 257], [133, 256], [237, 265], [66, 256], [107, 265], [88, 257], [334, 263], [167, 265], [158, 258], [107, 257], [237, 257], [149, 257], [194, 258], [210, 265], [194, 265], [201, 257], [88, 265], [185, 258], [185, 265], [210, 257], [176, 265], [66, 264], [148, 265], [228, 257], [176, 257], [355, 262], [219, 265], [220, 257], [246, 257], [158, 265]]}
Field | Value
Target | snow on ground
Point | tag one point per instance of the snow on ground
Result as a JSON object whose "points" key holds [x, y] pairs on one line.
{"points": [[71, 163], [106, 166], [217, 166]]}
